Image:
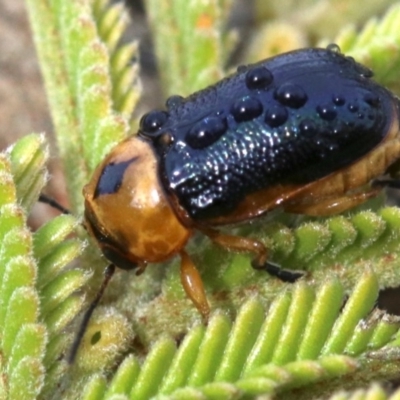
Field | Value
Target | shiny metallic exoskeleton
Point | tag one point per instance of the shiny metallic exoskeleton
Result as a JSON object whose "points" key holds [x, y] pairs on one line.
{"points": [[306, 131]]}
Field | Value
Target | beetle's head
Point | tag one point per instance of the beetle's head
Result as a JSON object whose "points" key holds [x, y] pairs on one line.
{"points": [[127, 210]]}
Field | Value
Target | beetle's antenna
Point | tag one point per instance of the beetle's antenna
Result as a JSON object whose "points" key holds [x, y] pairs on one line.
{"points": [[51, 202], [108, 273]]}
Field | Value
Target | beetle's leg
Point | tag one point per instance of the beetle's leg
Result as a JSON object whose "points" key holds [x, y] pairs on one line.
{"points": [[242, 244], [193, 285], [238, 243], [277, 271], [331, 205]]}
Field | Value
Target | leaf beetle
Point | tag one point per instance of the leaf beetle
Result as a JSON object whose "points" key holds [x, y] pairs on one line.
{"points": [[306, 131]]}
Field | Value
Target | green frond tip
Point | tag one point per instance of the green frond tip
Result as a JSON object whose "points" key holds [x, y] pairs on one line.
{"points": [[26, 381], [95, 388], [125, 377], [112, 21], [126, 86], [115, 73], [28, 159], [297, 374]]}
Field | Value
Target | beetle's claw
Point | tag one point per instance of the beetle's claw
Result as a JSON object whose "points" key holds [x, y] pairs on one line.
{"points": [[278, 272]]}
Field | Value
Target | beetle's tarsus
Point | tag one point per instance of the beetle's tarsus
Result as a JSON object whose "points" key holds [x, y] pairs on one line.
{"points": [[278, 272]]}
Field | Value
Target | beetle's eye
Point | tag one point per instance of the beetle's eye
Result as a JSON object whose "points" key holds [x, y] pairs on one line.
{"points": [[152, 122]]}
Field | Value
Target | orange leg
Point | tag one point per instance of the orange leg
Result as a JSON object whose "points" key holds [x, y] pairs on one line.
{"points": [[331, 205], [193, 285], [241, 244]]}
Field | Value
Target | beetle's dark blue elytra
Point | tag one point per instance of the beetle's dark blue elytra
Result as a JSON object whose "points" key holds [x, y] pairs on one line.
{"points": [[290, 119]]}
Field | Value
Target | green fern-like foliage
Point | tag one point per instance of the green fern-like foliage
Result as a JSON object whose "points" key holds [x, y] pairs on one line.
{"points": [[35, 297], [322, 337]]}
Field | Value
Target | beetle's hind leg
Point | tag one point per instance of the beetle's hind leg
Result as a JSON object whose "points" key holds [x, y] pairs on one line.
{"points": [[260, 262]]}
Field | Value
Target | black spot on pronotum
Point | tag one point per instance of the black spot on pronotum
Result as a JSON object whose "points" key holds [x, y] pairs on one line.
{"points": [[111, 178]]}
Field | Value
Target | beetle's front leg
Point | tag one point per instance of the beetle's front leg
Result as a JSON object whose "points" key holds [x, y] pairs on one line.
{"points": [[193, 285], [260, 262]]}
